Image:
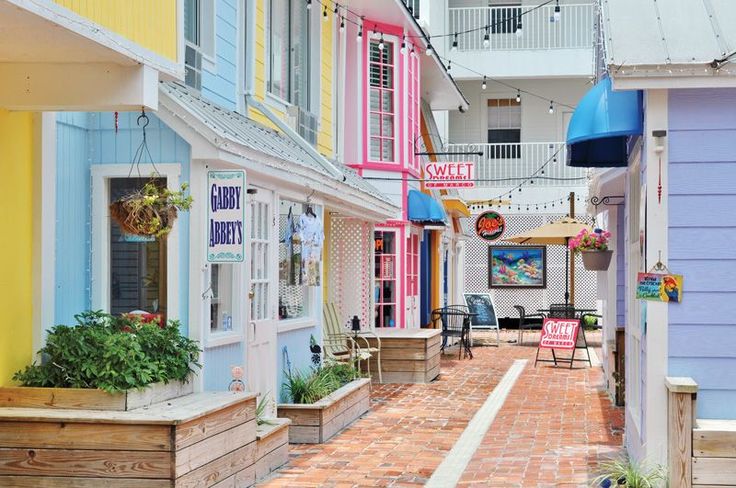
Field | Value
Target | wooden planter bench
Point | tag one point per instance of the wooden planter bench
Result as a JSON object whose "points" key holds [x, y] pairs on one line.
{"points": [[408, 355], [315, 423], [272, 446], [196, 440]]}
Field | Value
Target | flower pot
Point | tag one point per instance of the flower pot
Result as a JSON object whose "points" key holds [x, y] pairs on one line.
{"points": [[596, 260]]}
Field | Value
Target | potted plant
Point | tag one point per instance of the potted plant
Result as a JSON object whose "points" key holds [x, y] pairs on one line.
{"points": [[593, 246], [150, 211], [626, 472]]}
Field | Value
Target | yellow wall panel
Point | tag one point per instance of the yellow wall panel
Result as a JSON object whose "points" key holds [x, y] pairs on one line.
{"points": [[260, 69], [16, 222], [150, 23], [324, 138]]}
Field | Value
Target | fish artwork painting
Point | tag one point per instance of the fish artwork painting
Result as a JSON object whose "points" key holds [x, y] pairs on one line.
{"points": [[517, 266]]}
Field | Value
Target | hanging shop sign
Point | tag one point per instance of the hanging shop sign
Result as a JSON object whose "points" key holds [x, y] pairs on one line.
{"points": [[659, 287], [226, 216], [559, 334], [449, 175], [490, 225]]}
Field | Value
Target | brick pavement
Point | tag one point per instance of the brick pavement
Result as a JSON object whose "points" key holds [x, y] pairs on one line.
{"points": [[552, 430]]}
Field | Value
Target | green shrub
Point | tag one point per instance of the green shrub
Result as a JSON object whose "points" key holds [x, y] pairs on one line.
{"points": [[113, 354], [317, 383]]}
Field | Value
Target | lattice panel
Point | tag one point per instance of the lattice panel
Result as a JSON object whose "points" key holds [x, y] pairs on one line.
{"points": [[349, 279], [476, 270]]}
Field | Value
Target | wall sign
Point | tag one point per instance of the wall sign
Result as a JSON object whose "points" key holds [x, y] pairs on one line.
{"points": [[559, 334], [490, 225], [659, 287], [226, 216], [449, 175]]}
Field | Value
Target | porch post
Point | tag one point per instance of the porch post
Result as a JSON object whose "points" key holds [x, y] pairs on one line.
{"points": [[680, 420]]}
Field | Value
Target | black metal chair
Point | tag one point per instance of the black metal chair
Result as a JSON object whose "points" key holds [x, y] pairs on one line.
{"points": [[561, 311], [524, 322], [455, 323]]}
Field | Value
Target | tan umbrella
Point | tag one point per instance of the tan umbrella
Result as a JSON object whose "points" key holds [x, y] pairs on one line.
{"points": [[556, 233]]}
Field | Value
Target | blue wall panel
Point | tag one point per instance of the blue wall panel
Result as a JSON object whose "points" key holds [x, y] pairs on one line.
{"points": [[297, 344], [219, 360], [219, 84]]}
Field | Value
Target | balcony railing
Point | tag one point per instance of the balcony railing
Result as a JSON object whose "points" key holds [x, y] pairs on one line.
{"points": [[507, 165], [540, 30]]}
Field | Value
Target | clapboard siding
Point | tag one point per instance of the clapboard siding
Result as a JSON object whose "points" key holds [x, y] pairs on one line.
{"points": [[620, 269], [219, 361], [219, 83], [702, 229], [84, 139]]}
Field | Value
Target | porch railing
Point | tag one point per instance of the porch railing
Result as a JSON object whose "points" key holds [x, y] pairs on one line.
{"points": [[504, 165], [540, 30]]}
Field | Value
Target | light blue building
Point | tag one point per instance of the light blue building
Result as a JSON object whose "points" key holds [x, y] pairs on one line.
{"points": [[246, 313]]}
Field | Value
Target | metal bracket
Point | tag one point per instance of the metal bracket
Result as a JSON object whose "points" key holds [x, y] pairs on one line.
{"points": [[605, 200]]}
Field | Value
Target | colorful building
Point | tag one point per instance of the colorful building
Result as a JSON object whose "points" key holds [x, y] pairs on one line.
{"points": [[57, 56], [662, 125]]}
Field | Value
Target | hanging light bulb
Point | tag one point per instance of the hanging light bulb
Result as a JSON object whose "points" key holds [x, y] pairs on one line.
{"points": [[381, 44], [429, 50], [324, 14], [557, 14], [519, 31], [337, 7], [360, 34], [309, 4], [551, 107], [484, 85], [413, 51], [454, 43], [449, 65], [342, 24], [486, 39], [518, 96], [403, 45]]}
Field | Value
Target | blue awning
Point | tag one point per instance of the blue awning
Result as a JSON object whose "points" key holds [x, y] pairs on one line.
{"points": [[600, 126], [423, 209]]}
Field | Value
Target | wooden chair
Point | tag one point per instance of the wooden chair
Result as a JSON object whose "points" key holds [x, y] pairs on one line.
{"points": [[336, 337], [524, 322]]}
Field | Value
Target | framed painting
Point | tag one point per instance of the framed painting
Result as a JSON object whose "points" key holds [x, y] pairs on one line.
{"points": [[517, 267]]}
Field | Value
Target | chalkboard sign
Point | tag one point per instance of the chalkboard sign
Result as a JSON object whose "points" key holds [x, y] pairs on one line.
{"points": [[482, 305]]}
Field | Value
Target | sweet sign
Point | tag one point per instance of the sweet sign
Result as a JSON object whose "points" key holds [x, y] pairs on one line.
{"points": [[559, 334], [449, 175], [226, 216]]}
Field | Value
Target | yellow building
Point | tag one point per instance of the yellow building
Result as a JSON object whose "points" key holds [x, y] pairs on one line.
{"points": [[54, 56]]}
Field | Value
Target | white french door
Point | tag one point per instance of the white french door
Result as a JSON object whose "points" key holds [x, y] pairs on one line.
{"points": [[262, 295]]}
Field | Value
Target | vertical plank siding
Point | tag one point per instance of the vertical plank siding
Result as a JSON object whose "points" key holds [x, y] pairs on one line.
{"points": [[702, 167]]}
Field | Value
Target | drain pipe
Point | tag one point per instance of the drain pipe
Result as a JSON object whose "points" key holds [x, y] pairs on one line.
{"points": [[284, 127]]}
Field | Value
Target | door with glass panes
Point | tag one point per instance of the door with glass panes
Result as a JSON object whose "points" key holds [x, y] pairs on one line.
{"points": [[262, 323]]}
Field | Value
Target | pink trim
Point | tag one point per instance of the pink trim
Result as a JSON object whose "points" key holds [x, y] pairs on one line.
{"points": [[399, 270]]}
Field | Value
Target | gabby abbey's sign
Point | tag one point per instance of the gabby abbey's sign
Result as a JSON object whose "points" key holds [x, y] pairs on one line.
{"points": [[225, 216]]}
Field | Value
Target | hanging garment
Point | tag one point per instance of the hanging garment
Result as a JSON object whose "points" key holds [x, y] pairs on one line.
{"points": [[311, 233], [290, 269]]}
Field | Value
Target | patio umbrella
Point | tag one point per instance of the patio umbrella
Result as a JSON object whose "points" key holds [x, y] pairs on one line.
{"points": [[556, 233]]}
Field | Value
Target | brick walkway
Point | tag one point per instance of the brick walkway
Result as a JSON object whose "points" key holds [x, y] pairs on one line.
{"points": [[552, 430]]}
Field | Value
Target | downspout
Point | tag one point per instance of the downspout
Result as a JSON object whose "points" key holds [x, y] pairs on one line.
{"points": [[251, 101]]}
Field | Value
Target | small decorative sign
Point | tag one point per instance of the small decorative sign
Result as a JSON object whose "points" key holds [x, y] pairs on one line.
{"points": [[225, 216], [449, 175], [659, 287], [559, 334], [483, 310], [490, 225]]}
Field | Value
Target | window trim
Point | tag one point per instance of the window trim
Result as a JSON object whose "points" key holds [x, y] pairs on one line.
{"points": [[237, 334], [207, 47], [397, 279], [397, 90], [100, 228]]}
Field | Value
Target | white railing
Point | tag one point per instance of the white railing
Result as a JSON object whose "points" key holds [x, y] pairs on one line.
{"points": [[540, 30], [504, 165]]}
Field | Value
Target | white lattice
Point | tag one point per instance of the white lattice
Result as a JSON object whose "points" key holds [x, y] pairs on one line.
{"points": [[476, 270], [351, 262]]}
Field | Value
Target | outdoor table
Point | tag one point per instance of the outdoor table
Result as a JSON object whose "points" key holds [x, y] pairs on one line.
{"points": [[578, 311]]}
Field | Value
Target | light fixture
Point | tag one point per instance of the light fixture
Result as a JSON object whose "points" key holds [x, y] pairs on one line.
{"points": [[309, 4], [486, 39], [381, 44], [403, 45], [342, 24], [551, 107], [519, 31], [556, 15], [484, 85], [518, 96], [324, 14], [454, 43], [429, 50], [449, 65], [360, 34]]}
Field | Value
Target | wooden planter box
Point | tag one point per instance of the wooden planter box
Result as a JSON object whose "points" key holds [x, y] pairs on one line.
{"points": [[315, 423], [90, 398], [198, 440], [272, 447], [407, 355]]}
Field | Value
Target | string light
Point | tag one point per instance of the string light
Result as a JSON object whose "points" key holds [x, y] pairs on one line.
{"points": [[360, 34], [309, 4], [324, 14], [429, 50], [551, 107], [518, 96], [486, 39], [557, 14], [454, 44], [337, 6], [449, 66], [381, 44], [484, 85], [403, 45], [342, 24], [519, 31]]}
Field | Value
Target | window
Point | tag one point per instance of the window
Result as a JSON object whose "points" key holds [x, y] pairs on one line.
{"points": [[199, 37], [289, 47], [413, 110], [222, 301], [412, 266], [504, 18], [294, 280], [504, 127], [413, 6], [381, 112], [385, 281], [137, 264]]}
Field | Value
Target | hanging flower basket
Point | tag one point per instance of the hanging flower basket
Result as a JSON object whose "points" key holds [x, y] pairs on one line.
{"points": [[151, 211], [596, 260]]}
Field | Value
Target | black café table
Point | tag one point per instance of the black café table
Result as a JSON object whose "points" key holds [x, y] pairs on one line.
{"points": [[577, 314]]}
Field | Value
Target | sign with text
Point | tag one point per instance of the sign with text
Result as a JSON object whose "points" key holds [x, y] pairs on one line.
{"points": [[226, 216], [490, 225], [659, 287], [449, 175], [559, 334]]}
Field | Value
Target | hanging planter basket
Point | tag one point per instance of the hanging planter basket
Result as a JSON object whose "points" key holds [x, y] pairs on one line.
{"points": [[596, 260], [150, 212]]}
